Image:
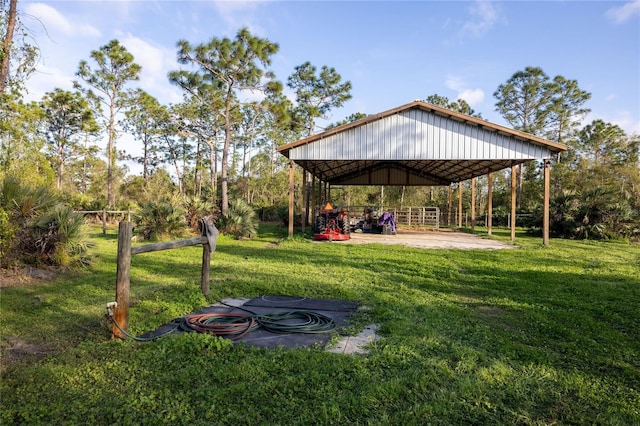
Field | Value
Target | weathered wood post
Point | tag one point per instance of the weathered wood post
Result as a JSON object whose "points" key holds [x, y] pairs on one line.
{"points": [[208, 239], [210, 233], [206, 260], [123, 272], [104, 221]]}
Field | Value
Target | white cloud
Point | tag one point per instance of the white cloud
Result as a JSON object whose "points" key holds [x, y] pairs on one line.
{"points": [[54, 21], [156, 62], [625, 12], [454, 83], [45, 79], [484, 15], [240, 13], [472, 96], [629, 122]]}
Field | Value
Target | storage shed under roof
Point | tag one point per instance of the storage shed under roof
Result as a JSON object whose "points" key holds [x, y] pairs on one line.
{"points": [[417, 144]]}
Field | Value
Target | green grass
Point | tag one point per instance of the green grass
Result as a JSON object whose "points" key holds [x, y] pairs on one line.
{"points": [[535, 335]]}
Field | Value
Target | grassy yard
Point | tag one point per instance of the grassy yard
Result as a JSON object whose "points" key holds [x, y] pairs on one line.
{"points": [[536, 335]]}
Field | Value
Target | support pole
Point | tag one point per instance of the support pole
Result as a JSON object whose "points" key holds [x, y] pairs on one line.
{"points": [[123, 272], [305, 198], [104, 221], [473, 204], [489, 202], [545, 208], [291, 191], [314, 202], [450, 202], [459, 204], [513, 203]]}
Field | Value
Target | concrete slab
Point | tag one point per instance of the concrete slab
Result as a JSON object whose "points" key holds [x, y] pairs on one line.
{"points": [[357, 344], [430, 240]]}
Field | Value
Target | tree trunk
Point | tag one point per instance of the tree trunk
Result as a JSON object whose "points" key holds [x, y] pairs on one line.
{"points": [[196, 175], [111, 153], [145, 156], [84, 164], [60, 166], [213, 169], [224, 172], [6, 45]]}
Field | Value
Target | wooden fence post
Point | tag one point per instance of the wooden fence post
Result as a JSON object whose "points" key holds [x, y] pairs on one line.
{"points": [[210, 232], [104, 222], [206, 261], [123, 272]]}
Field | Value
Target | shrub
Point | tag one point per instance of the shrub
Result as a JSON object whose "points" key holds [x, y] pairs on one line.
{"points": [[7, 236], [38, 228], [195, 209], [162, 218], [591, 214], [61, 238], [240, 221]]}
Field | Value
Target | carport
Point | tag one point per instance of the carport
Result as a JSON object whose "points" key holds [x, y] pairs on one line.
{"points": [[419, 144]]}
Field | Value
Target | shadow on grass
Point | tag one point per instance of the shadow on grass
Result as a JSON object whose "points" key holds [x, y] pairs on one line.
{"points": [[470, 337]]}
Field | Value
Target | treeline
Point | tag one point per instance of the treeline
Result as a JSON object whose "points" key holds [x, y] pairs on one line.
{"points": [[218, 146]]}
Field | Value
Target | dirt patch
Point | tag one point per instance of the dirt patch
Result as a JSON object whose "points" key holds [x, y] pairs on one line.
{"points": [[430, 240], [19, 277], [15, 350], [488, 311]]}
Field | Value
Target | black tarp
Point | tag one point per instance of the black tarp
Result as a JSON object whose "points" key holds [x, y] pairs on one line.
{"points": [[338, 310]]}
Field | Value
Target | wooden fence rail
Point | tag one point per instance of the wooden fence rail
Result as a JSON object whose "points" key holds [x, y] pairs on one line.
{"points": [[104, 216], [208, 240]]}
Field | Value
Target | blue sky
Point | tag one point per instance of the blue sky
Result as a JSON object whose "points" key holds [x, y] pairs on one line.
{"points": [[392, 52]]}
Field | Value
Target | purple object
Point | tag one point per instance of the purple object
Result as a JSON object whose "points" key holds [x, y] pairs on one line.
{"points": [[387, 219]]}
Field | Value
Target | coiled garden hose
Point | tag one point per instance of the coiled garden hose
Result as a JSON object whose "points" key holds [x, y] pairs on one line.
{"points": [[234, 326]]}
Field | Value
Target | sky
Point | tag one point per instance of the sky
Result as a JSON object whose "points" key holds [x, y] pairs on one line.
{"points": [[392, 52]]}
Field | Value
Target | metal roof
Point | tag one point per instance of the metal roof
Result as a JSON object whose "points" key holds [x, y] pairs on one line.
{"points": [[415, 144]]}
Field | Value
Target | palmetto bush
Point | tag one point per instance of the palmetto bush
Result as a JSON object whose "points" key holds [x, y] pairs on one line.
{"points": [[239, 221], [61, 238], [595, 213], [197, 208], [162, 218], [7, 236], [39, 229]]}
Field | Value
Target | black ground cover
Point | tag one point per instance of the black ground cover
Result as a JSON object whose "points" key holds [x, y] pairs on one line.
{"points": [[337, 310]]}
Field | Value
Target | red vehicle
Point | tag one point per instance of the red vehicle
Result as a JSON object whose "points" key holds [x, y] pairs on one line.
{"points": [[332, 224]]}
